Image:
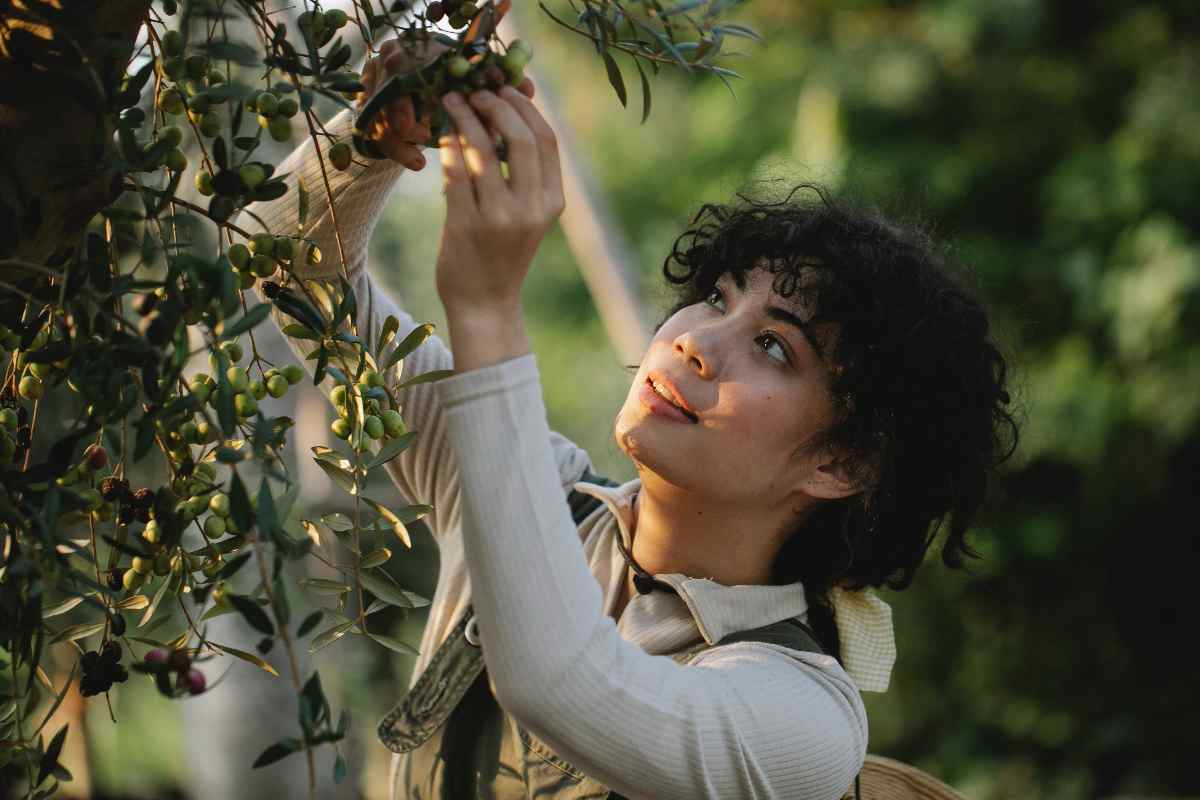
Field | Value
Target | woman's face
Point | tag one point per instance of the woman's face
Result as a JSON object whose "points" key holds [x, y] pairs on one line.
{"points": [[757, 386]]}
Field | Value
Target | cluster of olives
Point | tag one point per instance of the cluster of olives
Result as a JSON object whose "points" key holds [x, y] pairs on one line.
{"points": [[320, 25], [263, 255], [14, 433], [189, 77], [456, 12], [274, 112], [377, 423], [161, 662], [102, 669]]}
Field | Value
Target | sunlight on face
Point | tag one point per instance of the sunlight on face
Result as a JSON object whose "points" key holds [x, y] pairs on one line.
{"points": [[756, 383]]}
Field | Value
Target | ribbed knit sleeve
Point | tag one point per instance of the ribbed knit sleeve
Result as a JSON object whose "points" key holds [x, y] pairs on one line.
{"points": [[427, 471], [747, 720]]}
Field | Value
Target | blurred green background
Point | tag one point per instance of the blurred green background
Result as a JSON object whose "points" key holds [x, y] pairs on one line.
{"points": [[1056, 148]]}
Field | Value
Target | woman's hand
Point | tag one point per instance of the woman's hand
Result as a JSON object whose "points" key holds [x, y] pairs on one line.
{"points": [[396, 130], [493, 225]]}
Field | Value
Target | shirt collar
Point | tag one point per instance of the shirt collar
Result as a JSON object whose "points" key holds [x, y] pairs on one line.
{"points": [[717, 609]]}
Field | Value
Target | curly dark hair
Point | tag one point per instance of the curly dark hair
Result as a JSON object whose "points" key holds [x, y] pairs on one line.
{"points": [[918, 386]]}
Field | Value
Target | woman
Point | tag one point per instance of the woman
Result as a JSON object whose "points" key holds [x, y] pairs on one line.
{"points": [[833, 396]]}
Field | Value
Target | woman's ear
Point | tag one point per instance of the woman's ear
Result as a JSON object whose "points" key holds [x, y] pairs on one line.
{"points": [[837, 475]]}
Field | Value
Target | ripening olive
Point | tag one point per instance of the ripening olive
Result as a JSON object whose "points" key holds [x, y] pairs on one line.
{"points": [[142, 565], [277, 386], [263, 243], [340, 428], [233, 350], [41, 369], [171, 102], [338, 394], [280, 129], [238, 379], [31, 387], [218, 503], [263, 266], [214, 528], [340, 156], [267, 103], [204, 183], [245, 405], [294, 373], [210, 124], [172, 43], [239, 255], [252, 175], [132, 579], [175, 160], [458, 67]]}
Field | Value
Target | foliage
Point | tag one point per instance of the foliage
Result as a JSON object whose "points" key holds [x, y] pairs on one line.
{"points": [[99, 333]]}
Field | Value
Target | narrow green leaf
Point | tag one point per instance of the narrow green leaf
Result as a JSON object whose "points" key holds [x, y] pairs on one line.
{"points": [[50, 758], [310, 622], [329, 636], [150, 609], [339, 476], [283, 611], [240, 509], [324, 586], [379, 555], [410, 343], [645, 90], [427, 377], [297, 331], [244, 656], [247, 321], [614, 76], [303, 210], [395, 521], [390, 326], [79, 631], [338, 521], [61, 608], [331, 456], [392, 449], [394, 644], [277, 751], [383, 589], [231, 567], [253, 612]]}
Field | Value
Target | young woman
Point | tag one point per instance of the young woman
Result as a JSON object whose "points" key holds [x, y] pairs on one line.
{"points": [[822, 397]]}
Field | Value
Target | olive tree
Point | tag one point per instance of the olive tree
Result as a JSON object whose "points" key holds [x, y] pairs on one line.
{"points": [[106, 281]]}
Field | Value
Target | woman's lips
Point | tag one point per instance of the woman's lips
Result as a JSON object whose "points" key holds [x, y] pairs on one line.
{"points": [[660, 405]]}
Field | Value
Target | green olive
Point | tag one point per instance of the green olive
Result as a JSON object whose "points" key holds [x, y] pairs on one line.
{"points": [[288, 107], [31, 387], [189, 432], [132, 579], [245, 405], [458, 67], [335, 18], [294, 373], [196, 66], [393, 423], [214, 527], [238, 379], [172, 135], [258, 389], [280, 129], [267, 103], [142, 565], [263, 266], [246, 279], [261, 243], [195, 506], [219, 504], [283, 247], [233, 350], [340, 428], [252, 175], [373, 427], [210, 124], [9, 419], [340, 156], [172, 43], [204, 183], [277, 386], [176, 161], [239, 255]]}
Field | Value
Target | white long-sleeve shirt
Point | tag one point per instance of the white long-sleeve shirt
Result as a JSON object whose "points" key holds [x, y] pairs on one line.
{"points": [[747, 720]]}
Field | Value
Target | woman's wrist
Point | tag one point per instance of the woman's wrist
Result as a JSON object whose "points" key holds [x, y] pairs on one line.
{"points": [[483, 337]]}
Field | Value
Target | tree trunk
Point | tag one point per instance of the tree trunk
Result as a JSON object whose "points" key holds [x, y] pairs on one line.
{"points": [[61, 65]]}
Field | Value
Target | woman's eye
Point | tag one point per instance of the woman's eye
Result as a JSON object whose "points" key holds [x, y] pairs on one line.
{"points": [[768, 336]]}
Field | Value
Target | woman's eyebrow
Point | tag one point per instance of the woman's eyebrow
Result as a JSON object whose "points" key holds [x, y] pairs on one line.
{"points": [[783, 315]]}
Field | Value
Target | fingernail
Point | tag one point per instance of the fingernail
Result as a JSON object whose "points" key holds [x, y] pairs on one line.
{"points": [[453, 99]]}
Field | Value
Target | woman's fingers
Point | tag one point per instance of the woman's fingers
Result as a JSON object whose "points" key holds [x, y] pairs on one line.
{"points": [[547, 144], [524, 168], [459, 188], [479, 154]]}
